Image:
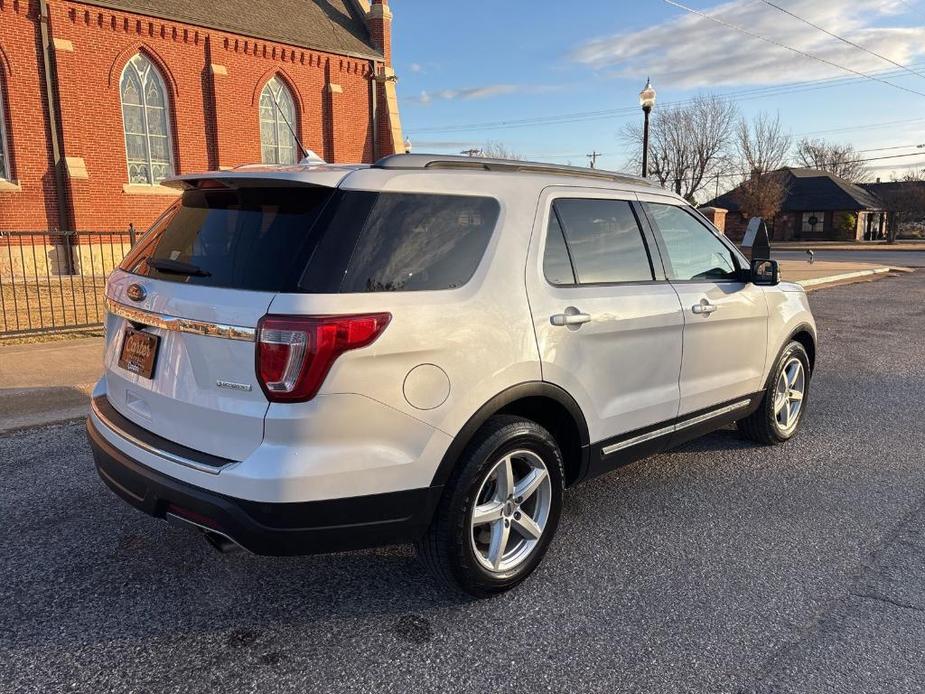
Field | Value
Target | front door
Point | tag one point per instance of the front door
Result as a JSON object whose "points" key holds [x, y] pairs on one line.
{"points": [[608, 325], [725, 318]]}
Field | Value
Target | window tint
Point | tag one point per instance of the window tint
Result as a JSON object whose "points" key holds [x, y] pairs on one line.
{"points": [[604, 240], [694, 252], [386, 242], [317, 240], [557, 266], [250, 238]]}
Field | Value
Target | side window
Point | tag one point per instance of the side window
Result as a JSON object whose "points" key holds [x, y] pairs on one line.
{"points": [[694, 251], [391, 242], [604, 241], [557, 266]]}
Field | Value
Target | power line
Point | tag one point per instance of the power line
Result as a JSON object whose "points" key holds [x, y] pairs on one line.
{"points": [[566, 118], [912, 7], [774, 42], [842, 39], [865, 126], [739, 174]]}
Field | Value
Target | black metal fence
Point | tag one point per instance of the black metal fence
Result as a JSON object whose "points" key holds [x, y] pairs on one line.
{"points": [[54, 280]]}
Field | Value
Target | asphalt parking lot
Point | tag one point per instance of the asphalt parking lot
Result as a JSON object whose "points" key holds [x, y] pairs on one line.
{"points": [[722, 567]]}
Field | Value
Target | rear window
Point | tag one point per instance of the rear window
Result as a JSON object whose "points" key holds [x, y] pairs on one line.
{"points": [[250, 238], [317, 240]]}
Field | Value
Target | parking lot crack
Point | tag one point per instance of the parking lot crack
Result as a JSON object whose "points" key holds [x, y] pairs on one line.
{"points": [[888, 600]]}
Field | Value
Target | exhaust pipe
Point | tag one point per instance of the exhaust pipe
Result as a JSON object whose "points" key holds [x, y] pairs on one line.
{"points": [[218, 540], [222, 543]]}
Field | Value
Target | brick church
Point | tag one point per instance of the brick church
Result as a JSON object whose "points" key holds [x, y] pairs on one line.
{"points": [[100, 100]]}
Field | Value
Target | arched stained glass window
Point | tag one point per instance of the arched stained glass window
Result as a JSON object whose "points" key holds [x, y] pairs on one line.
{"points": [[4, 152], [277, 124], [146, 122]]}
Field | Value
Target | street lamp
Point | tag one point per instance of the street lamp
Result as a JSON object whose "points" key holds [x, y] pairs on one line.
{"points": [[647, 101]]}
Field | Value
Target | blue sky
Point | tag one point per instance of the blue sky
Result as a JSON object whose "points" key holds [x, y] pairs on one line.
{"points": [[466, 65]]}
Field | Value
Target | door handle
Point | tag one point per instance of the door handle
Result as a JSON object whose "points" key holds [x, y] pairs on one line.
{"points": [[704, 308], [571, 316]]}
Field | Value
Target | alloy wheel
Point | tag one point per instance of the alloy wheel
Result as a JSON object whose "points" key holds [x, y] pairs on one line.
{"points": [[789, 394], [511, 511]]}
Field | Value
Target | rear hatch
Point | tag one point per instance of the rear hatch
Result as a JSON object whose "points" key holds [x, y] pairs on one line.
{"points": [[185, 305]]}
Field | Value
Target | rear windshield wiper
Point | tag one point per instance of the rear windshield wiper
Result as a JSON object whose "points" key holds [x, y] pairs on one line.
{"points": [[177, 267]]}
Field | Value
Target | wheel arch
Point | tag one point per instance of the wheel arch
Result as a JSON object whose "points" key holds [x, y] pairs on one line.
{"points": [[544, 403], [806, 336]]}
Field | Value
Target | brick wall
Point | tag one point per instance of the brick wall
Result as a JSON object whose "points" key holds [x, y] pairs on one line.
{"points": [[32, 205], [213, 81]]}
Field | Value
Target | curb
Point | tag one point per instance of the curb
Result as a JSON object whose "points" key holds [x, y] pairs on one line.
{"points": [[859, 274], [848, 249]]}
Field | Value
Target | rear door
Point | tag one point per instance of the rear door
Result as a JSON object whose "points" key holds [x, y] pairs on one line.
{"points": [[191, 293], [725, 318], [608, 325]]}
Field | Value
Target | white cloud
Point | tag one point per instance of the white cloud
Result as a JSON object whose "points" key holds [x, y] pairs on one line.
{"points": [[691, 51], [483, 92], [416, 67]]}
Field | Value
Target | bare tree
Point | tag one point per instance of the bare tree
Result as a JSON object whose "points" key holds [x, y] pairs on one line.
{"points": [[762, 195], [841, 160], [762, 145], [498, 150], [905, 200], [688, 144]]}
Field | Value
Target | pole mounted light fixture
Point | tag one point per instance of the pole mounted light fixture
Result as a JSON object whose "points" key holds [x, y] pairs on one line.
{"points": [[647, 101]]}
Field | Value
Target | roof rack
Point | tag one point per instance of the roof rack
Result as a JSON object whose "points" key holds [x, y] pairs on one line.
{"points": [[446, 161]]}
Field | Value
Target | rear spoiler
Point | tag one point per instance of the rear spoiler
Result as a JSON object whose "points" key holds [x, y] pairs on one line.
{"points": [[258, 176]]}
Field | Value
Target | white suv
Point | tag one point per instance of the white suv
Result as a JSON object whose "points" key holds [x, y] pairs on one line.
{"points": [[429, 350]]}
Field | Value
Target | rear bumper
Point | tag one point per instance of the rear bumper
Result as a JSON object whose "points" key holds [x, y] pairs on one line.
{"points": [[268, 528]]}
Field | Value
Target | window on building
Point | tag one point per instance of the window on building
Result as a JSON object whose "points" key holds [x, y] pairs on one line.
{"points": [[604, 241], [694, 251], [146, 122], [4, 151], [277, 124], [813, 222]]}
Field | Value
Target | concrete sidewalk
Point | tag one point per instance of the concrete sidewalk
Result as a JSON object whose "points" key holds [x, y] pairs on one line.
{"points": [[909, 245], [824, 273], [47, 382]]}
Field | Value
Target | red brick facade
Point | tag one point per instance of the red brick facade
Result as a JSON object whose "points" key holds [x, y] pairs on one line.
{"points": [[213, 79]]}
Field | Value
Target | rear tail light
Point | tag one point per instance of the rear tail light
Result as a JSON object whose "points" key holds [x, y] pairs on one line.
{"points": [[295, 353]]}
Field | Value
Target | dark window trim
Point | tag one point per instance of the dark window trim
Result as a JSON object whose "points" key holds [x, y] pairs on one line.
{"points": [[579, 284]]}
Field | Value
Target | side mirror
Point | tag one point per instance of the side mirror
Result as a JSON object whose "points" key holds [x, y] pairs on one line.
{"points": [[765, 273]]}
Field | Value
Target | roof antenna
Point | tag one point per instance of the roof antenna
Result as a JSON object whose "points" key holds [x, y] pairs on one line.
{"points": [[308, 156]]}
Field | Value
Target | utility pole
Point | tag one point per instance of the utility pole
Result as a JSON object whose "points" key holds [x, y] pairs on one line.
{"points": [[593, 157]]}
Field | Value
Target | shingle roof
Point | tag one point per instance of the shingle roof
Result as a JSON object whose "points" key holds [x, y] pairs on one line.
{"points": [[336, 26], [813, 190]]}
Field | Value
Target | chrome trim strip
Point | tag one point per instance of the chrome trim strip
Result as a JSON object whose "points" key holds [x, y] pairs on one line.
{"points": [[179, 460], [642, 438], [181, 325], [715, 413]]}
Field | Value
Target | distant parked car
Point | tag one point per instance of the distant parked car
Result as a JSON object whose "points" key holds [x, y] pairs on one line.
{"points": [[428, 350]]}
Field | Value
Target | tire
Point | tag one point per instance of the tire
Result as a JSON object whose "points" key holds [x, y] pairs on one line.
{"points": [[770, 424], [462, 553]]}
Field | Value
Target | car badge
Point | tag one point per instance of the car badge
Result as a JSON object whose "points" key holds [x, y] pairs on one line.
{"points": [[136, 292]]}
